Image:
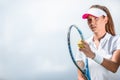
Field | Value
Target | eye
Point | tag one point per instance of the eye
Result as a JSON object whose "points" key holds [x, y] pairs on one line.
{"points": [[89, 20], [96, 18]]}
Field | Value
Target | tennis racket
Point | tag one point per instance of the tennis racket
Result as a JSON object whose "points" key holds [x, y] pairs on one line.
{"points": [[74, 35]]}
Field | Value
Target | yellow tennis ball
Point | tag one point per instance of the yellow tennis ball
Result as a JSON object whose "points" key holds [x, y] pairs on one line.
{"points": [[80, 44]]}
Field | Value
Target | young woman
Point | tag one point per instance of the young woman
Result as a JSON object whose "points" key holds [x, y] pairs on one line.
{"points": [[103, 48]]}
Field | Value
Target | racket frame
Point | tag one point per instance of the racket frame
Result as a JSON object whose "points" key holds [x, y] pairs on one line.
{"points": [[70, 49]]}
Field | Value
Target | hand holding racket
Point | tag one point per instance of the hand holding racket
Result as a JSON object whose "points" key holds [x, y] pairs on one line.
{"points": [[74, 35]]}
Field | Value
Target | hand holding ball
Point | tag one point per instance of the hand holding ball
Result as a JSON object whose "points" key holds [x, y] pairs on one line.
{"points": [[80, 44]]}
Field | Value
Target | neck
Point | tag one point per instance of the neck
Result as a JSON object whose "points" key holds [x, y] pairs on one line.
{"points": [[99, 36]]}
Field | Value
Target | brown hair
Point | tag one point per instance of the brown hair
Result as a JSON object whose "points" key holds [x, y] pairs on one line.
{"points": [[110, 25]]}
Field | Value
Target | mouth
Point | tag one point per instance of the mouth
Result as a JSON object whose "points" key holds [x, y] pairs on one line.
{"points": [[93, 28]]}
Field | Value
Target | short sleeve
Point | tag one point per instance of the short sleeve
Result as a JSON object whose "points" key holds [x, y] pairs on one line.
{"points": [[118, 43], [115, 43]]}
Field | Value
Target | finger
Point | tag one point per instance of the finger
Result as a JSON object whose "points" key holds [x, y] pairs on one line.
{"points": [[82, 49], [84, 42], [86, 45]]}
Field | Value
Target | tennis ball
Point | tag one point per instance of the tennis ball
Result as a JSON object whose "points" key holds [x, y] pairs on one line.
{"points": [[80, 44]]}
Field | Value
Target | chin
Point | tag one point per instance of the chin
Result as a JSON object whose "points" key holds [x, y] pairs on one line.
{"points": [[94, 31]]}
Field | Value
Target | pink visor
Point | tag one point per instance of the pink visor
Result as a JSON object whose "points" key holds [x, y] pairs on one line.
{"points": [[94, 12]]}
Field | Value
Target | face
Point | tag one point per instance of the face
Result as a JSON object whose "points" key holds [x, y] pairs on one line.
{"points": [[97, 24]]}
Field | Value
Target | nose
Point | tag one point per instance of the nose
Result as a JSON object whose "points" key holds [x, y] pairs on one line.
{"points": [[93, 21]]}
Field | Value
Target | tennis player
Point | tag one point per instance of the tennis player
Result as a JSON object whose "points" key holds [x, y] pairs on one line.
{"points": [[103, 48]]}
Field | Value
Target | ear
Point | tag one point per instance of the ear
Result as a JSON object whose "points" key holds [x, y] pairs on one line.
{"points": [[106, 19]]}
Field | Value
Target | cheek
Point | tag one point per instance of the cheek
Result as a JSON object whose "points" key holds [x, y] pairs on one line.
{"points": [[101, 27], [101, 24]]}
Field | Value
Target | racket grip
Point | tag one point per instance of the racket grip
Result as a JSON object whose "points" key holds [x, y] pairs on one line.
{"points": [[80, 44]]}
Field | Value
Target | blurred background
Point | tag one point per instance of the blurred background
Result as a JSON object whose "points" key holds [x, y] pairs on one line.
{"points": [[33, 37]]}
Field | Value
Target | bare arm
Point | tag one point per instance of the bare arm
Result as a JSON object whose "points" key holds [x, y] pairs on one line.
{"points": [[80, 74], [113, 63], [110, 64]]}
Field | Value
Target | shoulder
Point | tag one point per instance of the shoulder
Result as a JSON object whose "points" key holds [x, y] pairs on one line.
{"points": [[115, 38], [111, 38]]}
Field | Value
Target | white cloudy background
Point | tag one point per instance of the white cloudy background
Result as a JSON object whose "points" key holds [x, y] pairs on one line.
{"points": [[33, 42]]}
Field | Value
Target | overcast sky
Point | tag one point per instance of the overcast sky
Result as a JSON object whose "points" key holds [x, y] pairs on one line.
{"points": [[33, 37]]}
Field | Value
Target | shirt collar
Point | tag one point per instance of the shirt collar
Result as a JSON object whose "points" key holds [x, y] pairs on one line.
{"points": [[106, 37]]}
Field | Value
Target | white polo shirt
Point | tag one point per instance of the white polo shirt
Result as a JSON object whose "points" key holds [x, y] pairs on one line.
{"points": [[107, 46]]}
